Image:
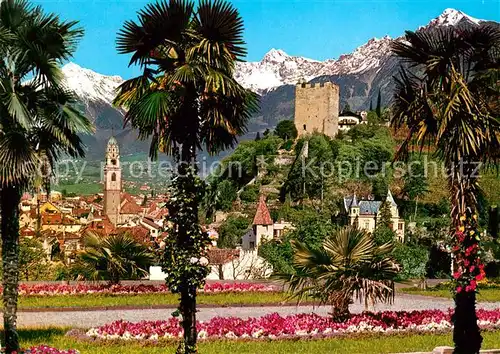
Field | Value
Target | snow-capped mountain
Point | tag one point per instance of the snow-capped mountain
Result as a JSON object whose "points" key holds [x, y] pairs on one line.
{"points": [[452, 17], [360, 75], [275, 69], [278, 68], [90, 85]]}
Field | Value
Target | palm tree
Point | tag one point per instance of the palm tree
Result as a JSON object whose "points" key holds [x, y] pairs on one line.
{"points": [[447, 96], [348, 265], [186, 99], [112, 258], [37, 120]]}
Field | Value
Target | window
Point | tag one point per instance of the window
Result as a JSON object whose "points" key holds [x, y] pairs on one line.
{"points": [[113, 177], [367, 225], [252, 245], [113, 161], [305, 127], [400, 226]]}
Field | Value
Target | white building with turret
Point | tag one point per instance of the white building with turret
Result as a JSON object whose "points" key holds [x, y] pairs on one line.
{"points": [[366, 213]]}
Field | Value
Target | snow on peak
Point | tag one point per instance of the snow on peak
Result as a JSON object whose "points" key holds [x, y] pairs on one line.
{"points": [[275, 69], [451, 17], [89, 85], [275, 55]]}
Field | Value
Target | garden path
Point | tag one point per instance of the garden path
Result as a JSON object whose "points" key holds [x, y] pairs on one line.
{"points": [[89, 318]]}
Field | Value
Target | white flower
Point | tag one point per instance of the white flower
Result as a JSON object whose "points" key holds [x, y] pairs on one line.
{"points": [[301, 332], [258, 333], [193, 260], [202, 334], [204, 261]]}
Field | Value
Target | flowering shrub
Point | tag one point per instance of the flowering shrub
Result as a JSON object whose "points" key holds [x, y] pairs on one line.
{"points": [[82, 289], [466, 250], [274, 326], [43, 349]]}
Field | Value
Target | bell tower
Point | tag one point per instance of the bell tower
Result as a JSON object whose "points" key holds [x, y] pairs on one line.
{"points": [[112, 182]]}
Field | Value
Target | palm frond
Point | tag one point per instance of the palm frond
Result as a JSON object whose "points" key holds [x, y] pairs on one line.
{"points": [[348, 265]]}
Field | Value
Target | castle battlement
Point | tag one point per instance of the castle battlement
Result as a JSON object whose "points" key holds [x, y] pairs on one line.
{"points": [[318, 85]]}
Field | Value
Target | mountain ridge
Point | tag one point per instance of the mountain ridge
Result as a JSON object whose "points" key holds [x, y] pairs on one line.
{"points": [[360, 74]]}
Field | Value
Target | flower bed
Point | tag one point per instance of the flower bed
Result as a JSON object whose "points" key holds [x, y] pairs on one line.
{"points": [[43, 349], [82, 289], [274, 326]]}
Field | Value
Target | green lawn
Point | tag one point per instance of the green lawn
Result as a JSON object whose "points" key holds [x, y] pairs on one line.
{"points": [[93, 300], [377, 344], [485, 295]]}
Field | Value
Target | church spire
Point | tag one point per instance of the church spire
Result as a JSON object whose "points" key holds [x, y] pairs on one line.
{"points": [[112, 182]]}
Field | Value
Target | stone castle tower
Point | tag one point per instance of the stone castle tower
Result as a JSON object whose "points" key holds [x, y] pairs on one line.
{"points": [[317, 108], [112, 182]]}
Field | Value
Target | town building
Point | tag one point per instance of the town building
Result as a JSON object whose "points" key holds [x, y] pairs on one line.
{"points": [[348, 119], [366, 213], [263, 227]]}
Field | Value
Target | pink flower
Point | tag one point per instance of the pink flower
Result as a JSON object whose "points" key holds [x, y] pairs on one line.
{"points": [[457, 274], [274, 326], [82, 289]]}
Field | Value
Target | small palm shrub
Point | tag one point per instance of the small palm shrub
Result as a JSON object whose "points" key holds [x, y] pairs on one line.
{"points": [[112, 258], [349, 265]]}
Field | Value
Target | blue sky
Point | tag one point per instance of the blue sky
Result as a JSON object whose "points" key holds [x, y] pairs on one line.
{"points": [[318, 29]]}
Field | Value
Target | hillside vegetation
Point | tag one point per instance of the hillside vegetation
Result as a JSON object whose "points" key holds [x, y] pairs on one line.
{"points": [[306, 179]]}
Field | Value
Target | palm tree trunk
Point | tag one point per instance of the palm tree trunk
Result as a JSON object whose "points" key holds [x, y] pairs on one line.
{"points": [[10, 198], [466, 334], [188, 310], [188, 291], [468, 267]]}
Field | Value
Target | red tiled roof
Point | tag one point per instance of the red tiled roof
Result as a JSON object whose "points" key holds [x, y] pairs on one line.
{"points": [[80, 211], [103, 227], [262, 216], [139, 233], [26, 196], [51, 219], [150, 223], [126, 196], [222, 255], [129, 207], [158, 214], [27, 231]]}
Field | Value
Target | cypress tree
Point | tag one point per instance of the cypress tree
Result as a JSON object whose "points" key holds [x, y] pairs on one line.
{"points": [[385, 216], [378, 110]]}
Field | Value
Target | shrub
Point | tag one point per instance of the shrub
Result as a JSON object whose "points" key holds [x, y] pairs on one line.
{"points": [[287, 145], [413, 260], [286, 130], [250, 193], [231, 231]]}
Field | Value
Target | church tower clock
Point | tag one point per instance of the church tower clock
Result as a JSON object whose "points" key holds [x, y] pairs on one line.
{"points": [[112, 182]]}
